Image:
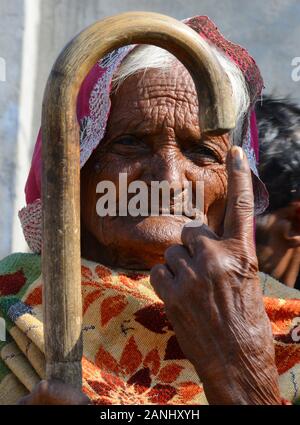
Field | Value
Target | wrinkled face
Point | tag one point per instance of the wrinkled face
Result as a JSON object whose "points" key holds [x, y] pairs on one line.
{"points": [[153, 134]]}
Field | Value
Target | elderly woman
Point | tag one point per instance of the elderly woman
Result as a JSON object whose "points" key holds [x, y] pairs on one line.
{"points": [[203, 334]]}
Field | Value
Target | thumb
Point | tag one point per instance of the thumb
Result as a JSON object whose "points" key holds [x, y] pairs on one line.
{"points": [[240, 201]]}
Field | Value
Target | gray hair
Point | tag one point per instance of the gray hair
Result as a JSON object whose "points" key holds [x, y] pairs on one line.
{"points": [[148, 57]]}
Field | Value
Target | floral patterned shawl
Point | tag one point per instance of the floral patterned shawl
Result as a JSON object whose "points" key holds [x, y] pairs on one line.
{"points": [[130, 352]]}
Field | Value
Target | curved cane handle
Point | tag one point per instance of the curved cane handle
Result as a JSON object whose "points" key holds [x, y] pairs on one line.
{"points": [[61, 163]]}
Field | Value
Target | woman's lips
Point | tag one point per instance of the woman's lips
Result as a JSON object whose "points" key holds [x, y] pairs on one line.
{"points": [[163, 218], [161, 213]]}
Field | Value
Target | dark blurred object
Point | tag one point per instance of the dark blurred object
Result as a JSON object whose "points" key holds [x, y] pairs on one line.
{"points": [[279, 153], [278, 229]]}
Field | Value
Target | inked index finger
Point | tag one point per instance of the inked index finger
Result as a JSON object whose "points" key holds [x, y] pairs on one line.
{"points": [[240, 200]]}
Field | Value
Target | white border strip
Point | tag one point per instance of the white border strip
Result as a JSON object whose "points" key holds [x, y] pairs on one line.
{"points": [[26, 104]]}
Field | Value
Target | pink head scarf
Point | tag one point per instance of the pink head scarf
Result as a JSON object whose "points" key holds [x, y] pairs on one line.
{"points": [[93, 107]]}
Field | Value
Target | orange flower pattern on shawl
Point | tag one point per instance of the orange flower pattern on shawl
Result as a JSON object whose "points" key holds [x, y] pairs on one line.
{"points": [[131, 355]]}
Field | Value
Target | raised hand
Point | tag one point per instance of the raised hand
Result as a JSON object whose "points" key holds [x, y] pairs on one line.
{"points": [[210, 287]]}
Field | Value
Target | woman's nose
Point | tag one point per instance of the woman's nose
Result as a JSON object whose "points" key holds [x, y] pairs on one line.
{"points": [[168, 165]]}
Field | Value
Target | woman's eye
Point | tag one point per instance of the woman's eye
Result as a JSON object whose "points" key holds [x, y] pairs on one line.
{"points": [[203, 152], [128, 145], [127, 141]]}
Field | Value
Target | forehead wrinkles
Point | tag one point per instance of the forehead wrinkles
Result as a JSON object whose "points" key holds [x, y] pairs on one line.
{"points": [[157, 98], [164, 111], [171, 85]]}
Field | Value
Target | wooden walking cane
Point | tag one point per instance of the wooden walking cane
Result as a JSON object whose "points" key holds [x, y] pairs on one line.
{"points": [[61, 161]]}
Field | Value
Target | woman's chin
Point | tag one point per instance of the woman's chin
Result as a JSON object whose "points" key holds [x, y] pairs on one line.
{"points": [[156, 231], [140, 242]]}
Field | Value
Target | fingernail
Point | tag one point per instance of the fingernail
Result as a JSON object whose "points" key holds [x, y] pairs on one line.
{"points": [[238, 156]]}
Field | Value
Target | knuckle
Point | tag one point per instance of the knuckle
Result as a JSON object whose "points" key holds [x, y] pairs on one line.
{"points": [[211, 262], [206, 248], [244, 201], [169, 253], [250, 267], [182, 264], [157, 269], [172, 251], [190, 275], [157, 273], [188, 234]]}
